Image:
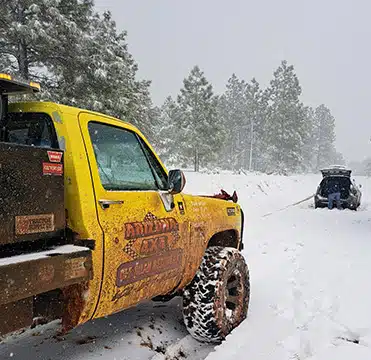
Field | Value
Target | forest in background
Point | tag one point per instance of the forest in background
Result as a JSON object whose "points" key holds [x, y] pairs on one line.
{"points": [[82, 59]]}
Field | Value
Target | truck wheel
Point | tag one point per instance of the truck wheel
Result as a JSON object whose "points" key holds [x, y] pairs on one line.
{"points": [[217, 299]]}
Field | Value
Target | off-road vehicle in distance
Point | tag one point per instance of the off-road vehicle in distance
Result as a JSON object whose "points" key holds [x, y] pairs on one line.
{"points": [[92, 223], [350, 193]]}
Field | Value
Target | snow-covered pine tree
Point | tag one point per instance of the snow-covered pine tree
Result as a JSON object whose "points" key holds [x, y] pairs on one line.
{"points": [[309, 142], [325, 136], [36, 33], [103, 77], [167, 133], [201, 136], [286, 125], [366, 164], [256, 107], [78, 55], [232, 115]]}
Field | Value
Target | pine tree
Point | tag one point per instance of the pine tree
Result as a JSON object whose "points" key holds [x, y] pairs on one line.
{"points": [[367, 167], [256, 107], [36, 33], [103, 78], [309, 142], [285, 128], [325, 136], [78, 55], [200, 134], [232, 115], [167, 133]]}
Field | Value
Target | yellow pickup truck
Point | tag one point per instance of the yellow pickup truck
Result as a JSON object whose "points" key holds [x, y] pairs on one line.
{"points": [[92, 223]]}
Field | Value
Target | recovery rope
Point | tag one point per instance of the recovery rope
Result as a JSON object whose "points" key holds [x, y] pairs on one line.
{"points": [[291, 205]]}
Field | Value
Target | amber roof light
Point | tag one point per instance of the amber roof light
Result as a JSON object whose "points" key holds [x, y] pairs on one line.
{"points": [[11, 85]]}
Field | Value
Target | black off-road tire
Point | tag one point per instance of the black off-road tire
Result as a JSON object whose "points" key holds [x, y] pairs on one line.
{"points": [[217, 299]]}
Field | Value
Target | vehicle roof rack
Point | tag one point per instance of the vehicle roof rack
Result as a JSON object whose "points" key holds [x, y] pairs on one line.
{"points": [[9, 86]]}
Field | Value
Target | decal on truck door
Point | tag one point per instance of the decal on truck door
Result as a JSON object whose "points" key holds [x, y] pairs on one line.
{"points": [[150, 236], [137, 270], [151, 246]]}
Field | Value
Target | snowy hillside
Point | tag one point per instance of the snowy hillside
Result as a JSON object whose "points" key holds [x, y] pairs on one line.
{"points": [[309, 288]]}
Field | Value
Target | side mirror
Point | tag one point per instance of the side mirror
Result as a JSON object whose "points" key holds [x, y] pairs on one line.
{"points": [[176, 181]]}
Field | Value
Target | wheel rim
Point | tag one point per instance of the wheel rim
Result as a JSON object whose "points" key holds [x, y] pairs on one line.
{"points": [[234, 296]]}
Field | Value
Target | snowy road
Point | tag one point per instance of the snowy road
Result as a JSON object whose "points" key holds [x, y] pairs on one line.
{"points": [[310, 290]]}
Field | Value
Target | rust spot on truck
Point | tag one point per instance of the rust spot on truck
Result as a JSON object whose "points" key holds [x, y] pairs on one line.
{"points": [[74, 303]]}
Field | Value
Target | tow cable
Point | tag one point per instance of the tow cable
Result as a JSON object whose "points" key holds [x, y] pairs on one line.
{"points": [[291, 205]]}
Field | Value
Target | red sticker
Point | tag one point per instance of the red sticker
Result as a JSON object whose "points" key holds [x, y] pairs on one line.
{"points": [[52, 169], [55, 156]]}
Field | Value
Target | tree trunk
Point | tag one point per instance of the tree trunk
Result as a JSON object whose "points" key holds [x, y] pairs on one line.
{"points": [[251, 144], [196, 161], [23, 60]]}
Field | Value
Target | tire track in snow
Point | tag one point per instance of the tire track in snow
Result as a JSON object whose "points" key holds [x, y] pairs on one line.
{"points": [[186, 347]]}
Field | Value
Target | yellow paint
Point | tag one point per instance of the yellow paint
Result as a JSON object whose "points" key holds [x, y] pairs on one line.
{"points": [[120, 255]]}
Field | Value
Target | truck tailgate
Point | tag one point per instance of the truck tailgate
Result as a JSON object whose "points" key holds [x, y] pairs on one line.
{"points": [[26, 275]]}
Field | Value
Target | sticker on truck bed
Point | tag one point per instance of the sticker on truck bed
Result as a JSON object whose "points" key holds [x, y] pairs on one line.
{"points": [[75, 268], [55, 156], [33, 224], [52, 169]]}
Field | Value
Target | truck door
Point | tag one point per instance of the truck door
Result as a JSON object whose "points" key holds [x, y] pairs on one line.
{"points": [[144, 227]]}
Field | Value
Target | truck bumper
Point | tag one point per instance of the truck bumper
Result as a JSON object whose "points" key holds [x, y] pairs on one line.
{"points": [[24, 276], [349, 203]]}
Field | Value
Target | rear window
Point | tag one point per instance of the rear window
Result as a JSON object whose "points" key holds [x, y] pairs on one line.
{"points": [[33, 129]]}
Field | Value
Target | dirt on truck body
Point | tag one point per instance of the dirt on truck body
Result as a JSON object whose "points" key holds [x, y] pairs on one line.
{"points": [[96, 224]]}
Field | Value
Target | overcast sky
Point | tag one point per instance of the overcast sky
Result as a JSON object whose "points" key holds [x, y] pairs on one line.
{"points": [[328, 42]]}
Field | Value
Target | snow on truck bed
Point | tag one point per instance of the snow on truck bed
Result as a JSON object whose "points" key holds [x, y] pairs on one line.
{"points": [[63, 249], [310, 293]]}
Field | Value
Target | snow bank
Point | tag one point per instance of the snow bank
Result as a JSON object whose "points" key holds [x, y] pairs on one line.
{"points": [[259, 194], [309, 274]]}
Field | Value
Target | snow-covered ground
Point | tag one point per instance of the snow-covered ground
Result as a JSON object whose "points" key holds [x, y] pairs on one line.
{"points": [[310, 296]]}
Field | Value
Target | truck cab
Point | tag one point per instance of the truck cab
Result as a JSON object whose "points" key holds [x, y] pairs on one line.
{"points": [[141, 236]]}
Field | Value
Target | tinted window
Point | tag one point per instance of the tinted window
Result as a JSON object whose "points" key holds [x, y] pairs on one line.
{"points": [[122, 163], [33, 129]]}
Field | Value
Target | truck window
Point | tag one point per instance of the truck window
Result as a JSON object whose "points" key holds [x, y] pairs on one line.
{"points": [[158, 171], [35, 129], [122, 162]]}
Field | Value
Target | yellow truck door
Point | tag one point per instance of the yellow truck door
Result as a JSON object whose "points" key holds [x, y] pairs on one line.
{"points": [[145, 228]]}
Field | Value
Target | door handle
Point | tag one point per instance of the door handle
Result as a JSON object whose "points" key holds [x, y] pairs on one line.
{"points": [[105, 204]]}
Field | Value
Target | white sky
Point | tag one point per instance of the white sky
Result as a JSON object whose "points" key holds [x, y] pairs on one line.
{"points": [[328, 42]]}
